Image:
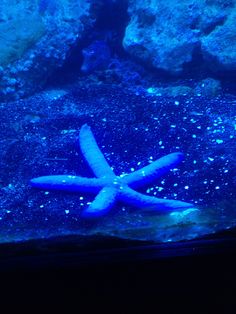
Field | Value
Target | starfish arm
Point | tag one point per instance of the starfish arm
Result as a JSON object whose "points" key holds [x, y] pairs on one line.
{"points": [[150, 204], [102, 203], [93, 154], [153, 171], [68, 183]]}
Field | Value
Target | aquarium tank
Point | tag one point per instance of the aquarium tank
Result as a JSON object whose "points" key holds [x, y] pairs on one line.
{"points": [[118, 120]]}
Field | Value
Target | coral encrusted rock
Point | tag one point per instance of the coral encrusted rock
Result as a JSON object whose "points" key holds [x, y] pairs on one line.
{"points": [[36, 36], [219, 46], [168, 34]]}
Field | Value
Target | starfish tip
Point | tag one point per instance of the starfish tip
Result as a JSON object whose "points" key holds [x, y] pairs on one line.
{"points": [[85, 127]]}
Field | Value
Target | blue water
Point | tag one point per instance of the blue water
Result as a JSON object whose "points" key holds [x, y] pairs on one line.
{"points": [[134, 124]]}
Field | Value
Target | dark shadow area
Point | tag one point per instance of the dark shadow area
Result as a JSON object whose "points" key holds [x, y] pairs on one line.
{"points": [[197, 282], [110, 24]]}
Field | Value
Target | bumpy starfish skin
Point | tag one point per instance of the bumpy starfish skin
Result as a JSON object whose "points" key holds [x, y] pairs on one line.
{"points": [[112, 188]]}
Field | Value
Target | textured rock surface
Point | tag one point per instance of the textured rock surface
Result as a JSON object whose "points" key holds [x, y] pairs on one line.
{"points": [[166, 35], [219, 46], [36, 36]]}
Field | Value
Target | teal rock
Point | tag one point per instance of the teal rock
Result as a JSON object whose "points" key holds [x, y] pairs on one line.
{"points": [[169, 35], [219, 46], [36, 39]]}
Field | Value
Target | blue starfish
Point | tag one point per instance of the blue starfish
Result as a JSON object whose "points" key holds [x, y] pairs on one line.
{"points": [[112, 188]]}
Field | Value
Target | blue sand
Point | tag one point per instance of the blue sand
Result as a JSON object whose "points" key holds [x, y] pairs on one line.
{"points": [[112, 188]]}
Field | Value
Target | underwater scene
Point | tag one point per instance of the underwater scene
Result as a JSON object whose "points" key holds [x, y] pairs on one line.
{"points": [[118, 119]]}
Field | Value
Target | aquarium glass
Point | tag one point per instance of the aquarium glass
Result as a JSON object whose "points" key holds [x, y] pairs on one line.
{"points": [[118, 119]]}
